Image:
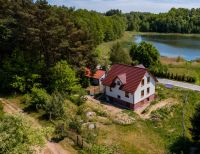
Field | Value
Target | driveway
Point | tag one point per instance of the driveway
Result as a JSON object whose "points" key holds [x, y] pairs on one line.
{"points": [[179, 84]]}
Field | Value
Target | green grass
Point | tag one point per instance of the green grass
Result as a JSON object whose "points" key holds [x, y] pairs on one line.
{"points": [[154, 136], [103, 49], [183, 69], [145, 136]]}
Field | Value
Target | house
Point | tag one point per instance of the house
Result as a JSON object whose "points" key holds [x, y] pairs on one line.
{"points": [[129, 86], [96, 78]]}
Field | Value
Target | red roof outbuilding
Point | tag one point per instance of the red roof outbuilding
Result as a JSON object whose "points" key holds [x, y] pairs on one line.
{"points": [[97, 75], [131, 76]]}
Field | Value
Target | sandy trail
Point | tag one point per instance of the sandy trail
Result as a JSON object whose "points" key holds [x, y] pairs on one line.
{"points": [[161, 104]]}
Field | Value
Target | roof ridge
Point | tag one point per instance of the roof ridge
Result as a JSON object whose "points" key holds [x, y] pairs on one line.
{"points": [[131, 66]]}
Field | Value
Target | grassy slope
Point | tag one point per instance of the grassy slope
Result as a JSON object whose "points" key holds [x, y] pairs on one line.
{"points": [[144, 136], [152, 137], [103, 49]]}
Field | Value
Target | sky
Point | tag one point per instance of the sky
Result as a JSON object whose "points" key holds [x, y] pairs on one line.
{"points": [[154, 6]]}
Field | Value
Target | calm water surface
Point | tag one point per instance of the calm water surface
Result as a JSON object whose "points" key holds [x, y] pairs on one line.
{"points": [[187, 47]]}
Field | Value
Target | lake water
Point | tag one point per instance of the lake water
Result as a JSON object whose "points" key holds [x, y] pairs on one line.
{"points": [[187, 47]]}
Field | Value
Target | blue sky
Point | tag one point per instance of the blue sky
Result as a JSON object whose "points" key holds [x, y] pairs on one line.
{"points": [[155, 6]]}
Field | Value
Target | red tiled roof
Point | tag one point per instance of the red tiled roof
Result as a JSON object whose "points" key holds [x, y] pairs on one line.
{"points": [[97, 75], [122, 78], [133, 75]]}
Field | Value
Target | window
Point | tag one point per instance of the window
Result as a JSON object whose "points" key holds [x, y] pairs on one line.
{"points": [[148, 90], [142, 82], [110, 89], [118, 83], [118, 97], [127, 94], [142, 93], [148, 79]]}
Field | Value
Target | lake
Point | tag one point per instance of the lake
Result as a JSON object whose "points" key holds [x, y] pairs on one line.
{"points": [[187, 47]]}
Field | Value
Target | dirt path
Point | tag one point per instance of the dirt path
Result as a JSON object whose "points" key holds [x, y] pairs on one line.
{"points": [[161, 104], [115, 113], [51, 148]]}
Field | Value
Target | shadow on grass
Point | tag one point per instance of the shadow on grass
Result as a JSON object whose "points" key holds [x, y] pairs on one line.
{"points": [[183, 146], [32, 110], [29, 109]]}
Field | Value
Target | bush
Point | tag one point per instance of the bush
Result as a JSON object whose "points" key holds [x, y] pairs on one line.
{"points": [[103, 149], [176, 77], [195, 122], [55, 107], [17, 137], [78, 98], [26, 99], [75, 125], [38, 98]]}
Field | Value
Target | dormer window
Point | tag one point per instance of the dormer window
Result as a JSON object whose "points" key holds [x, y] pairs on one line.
{"points": [[118, 83], [142, 82]]}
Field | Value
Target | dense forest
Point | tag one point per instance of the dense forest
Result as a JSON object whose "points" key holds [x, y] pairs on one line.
{"points": [[175, 21], [35, 35]]}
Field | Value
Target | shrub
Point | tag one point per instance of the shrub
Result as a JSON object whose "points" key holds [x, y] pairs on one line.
{"points": [[39, 97], [26, 99], [104, 149], [75, 125], [55, 107], [17, 137], [195, 122]]}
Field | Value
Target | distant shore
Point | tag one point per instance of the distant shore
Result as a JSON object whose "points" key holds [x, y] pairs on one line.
{"points": [[156, 33], [177, 59]]}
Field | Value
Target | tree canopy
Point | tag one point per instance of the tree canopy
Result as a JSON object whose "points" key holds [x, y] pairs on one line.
{"points": [[64, 78], [179, 20], [119, 55], [145, 53], [34, 36]]}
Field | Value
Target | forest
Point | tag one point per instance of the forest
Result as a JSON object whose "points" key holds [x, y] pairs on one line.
{"points": [[34, 36], [179, 20]]}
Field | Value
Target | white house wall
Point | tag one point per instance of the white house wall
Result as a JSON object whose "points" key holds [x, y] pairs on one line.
{"points": [[116, 91], [100, 83], [150, 85]]}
